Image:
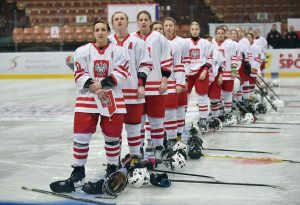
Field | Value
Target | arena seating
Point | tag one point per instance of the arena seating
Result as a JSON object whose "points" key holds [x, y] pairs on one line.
{"points": [[44, 14], [231, 11]]}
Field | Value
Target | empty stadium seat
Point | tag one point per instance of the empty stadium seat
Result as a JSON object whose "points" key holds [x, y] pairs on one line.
{"points": [[89, 34], [47, 35], [69, 33], [28, 35], [18, 35], [38, 34], [80, 33]]}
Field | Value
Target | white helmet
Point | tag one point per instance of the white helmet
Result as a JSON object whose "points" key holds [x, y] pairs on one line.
{"points": [[178, 161], [237, 85], [180, 145], [231, 121], [247, 119], [140, 177], [275, 83], [279, 105], [174, 160], [266, 102]]}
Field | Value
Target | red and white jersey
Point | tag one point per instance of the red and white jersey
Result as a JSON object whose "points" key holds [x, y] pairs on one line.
{"points": [[139, 61], [177, 77], [199, 53], [219, 61], [239, 54], [91, 62], [229, 51], [159, 50], [183, 46], [254, 58], [244, 45], [262, 43]]}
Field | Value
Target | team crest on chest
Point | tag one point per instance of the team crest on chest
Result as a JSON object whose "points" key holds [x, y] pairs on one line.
{"points": [[194, 53], [106, 102], [101, 68]]}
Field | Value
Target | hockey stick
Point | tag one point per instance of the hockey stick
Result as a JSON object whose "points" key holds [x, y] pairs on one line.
{"points": [[241, 106], [182, 173], [255, 127], [234, 150], [278, 123], [262, 93], [263, 159], [268, 86], [225, 183], [62, 195], [245, 131]]}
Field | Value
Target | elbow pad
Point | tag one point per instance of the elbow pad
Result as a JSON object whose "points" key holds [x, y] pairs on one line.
{"points": [[88, 83], [207, 65], [165, 73], [142, 77], [108, 82]]}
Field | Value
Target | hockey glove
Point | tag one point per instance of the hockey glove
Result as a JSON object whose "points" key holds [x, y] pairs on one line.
{"points": [[160, 180]]}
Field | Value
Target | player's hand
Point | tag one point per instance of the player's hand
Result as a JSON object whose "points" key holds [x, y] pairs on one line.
{"points": [[179, 89], [95, 86], [163, 86], [186, 87], [220, 79], [203, 75], [100, 93], [141, 92]]}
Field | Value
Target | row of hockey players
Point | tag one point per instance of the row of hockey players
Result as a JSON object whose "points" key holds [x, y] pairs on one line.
{"points": [[128, 78]]}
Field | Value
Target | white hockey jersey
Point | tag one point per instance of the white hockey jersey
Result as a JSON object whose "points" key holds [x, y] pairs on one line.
{"points": [[91, 62], [254, 58], [199, 53], [229, 50], [262, 43], [218, 61], [183, 46], [239, 54], [177, 77], [244, 45], [139, 61], [159, 50]]}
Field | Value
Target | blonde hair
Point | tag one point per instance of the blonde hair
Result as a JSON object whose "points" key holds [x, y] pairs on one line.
{"points": [[195, 23], [118, 12]]}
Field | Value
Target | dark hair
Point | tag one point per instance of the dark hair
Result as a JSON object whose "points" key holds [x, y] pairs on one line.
{"points": [[143, 12], [169, 19], [119, 12], [218, 28], [234, 30], [250, 34], [156, 22], [100, 21]]}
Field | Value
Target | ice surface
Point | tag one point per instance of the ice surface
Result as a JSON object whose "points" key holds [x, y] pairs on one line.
{"points": [[36, 149]]}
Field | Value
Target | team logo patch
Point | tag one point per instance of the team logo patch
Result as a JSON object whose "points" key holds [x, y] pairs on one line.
{"points": [[194, 53], [101, 68], [106, 102]]}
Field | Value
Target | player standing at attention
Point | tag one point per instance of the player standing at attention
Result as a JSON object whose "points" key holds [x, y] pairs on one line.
{"points": [[156, 85], [229, 51], [140, 65], [181, 85], [100, 70], [199, 62]]}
